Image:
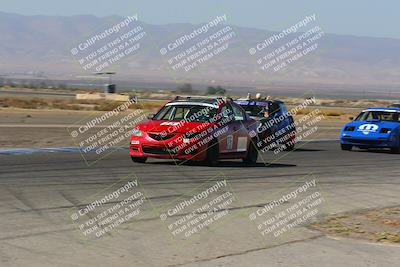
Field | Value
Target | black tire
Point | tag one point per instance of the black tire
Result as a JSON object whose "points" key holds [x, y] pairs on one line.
{"points": [[252, 154], [212, 153], [395, 150], [346, 147], [289, 146], [139, 159]]}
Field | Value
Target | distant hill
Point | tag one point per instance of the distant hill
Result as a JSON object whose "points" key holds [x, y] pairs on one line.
{"points": [[43, 43]]}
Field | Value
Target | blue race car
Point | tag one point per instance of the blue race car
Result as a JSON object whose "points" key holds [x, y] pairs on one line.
{"points": [[373, 128], [265, 111]]}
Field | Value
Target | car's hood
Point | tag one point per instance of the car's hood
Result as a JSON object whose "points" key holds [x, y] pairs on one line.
{"points": [[370, 128], [158, 126]]}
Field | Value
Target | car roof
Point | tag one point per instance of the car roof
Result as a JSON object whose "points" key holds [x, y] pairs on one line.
{"points": [[256, 102], [198, 101], [252, 103], [383, 109]]}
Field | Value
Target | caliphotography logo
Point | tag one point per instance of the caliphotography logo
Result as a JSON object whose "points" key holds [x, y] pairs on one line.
{"points": [[199, 133]]}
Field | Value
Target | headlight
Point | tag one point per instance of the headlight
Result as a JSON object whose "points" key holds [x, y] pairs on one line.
{"points": [[349, 129], [137, 133], [385, 131]]}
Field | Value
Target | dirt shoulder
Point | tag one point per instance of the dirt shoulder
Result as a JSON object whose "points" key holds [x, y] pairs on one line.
{"points": [[24, 128], [379, 225], [27, 128]]}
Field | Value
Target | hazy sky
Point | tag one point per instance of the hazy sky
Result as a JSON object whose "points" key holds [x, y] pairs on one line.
{"points": [[357, 17]]}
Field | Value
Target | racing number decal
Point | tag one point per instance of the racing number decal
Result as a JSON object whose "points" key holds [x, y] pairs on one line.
{"points": [[229, 142], [242, 144], [368, 128]]}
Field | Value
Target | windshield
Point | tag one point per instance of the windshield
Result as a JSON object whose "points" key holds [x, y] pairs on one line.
{"points": [[190, 113], [254, 108], [378, 115], [256, 111]]}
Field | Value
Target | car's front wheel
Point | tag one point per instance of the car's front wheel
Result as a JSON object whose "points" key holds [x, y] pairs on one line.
{"points": [[212, 153], [139, 159], [346, 147], [252, 154]]}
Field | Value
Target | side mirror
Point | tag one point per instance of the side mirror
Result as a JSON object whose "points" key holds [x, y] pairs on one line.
{"points": [[150, 116], [351, 118]]}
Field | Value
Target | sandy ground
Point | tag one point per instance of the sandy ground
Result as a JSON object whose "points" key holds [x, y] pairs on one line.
{"points": [[37, 128], [381, 225], [23, 128]]}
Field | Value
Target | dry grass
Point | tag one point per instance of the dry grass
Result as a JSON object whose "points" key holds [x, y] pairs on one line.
{"points": [[72, 104], [355, 103], [377, 225], [326, 112], [156, 105], [332, 113], [38, 103], [333, 108], [100, 105]]}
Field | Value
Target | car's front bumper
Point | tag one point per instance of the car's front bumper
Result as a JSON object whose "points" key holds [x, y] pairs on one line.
{"points": [[161, 150], [368, 142]]}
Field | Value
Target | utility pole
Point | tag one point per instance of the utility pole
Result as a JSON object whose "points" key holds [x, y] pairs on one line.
{"points": [[110, 87]]}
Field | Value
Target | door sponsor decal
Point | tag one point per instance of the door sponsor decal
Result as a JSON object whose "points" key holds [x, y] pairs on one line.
{"points": [[229, 142], [242, 144]]}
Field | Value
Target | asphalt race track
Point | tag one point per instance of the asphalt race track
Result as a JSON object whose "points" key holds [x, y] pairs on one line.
{"points": [[39, 192]]}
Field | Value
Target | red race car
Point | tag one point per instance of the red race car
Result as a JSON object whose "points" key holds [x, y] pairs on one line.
{"points": [[196, 129]]}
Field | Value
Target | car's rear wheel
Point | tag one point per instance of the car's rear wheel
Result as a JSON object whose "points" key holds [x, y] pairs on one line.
{"points": [[212, 153], [252, 154], [346, 147], [289, 146], [291, 142], [139, 159]]}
